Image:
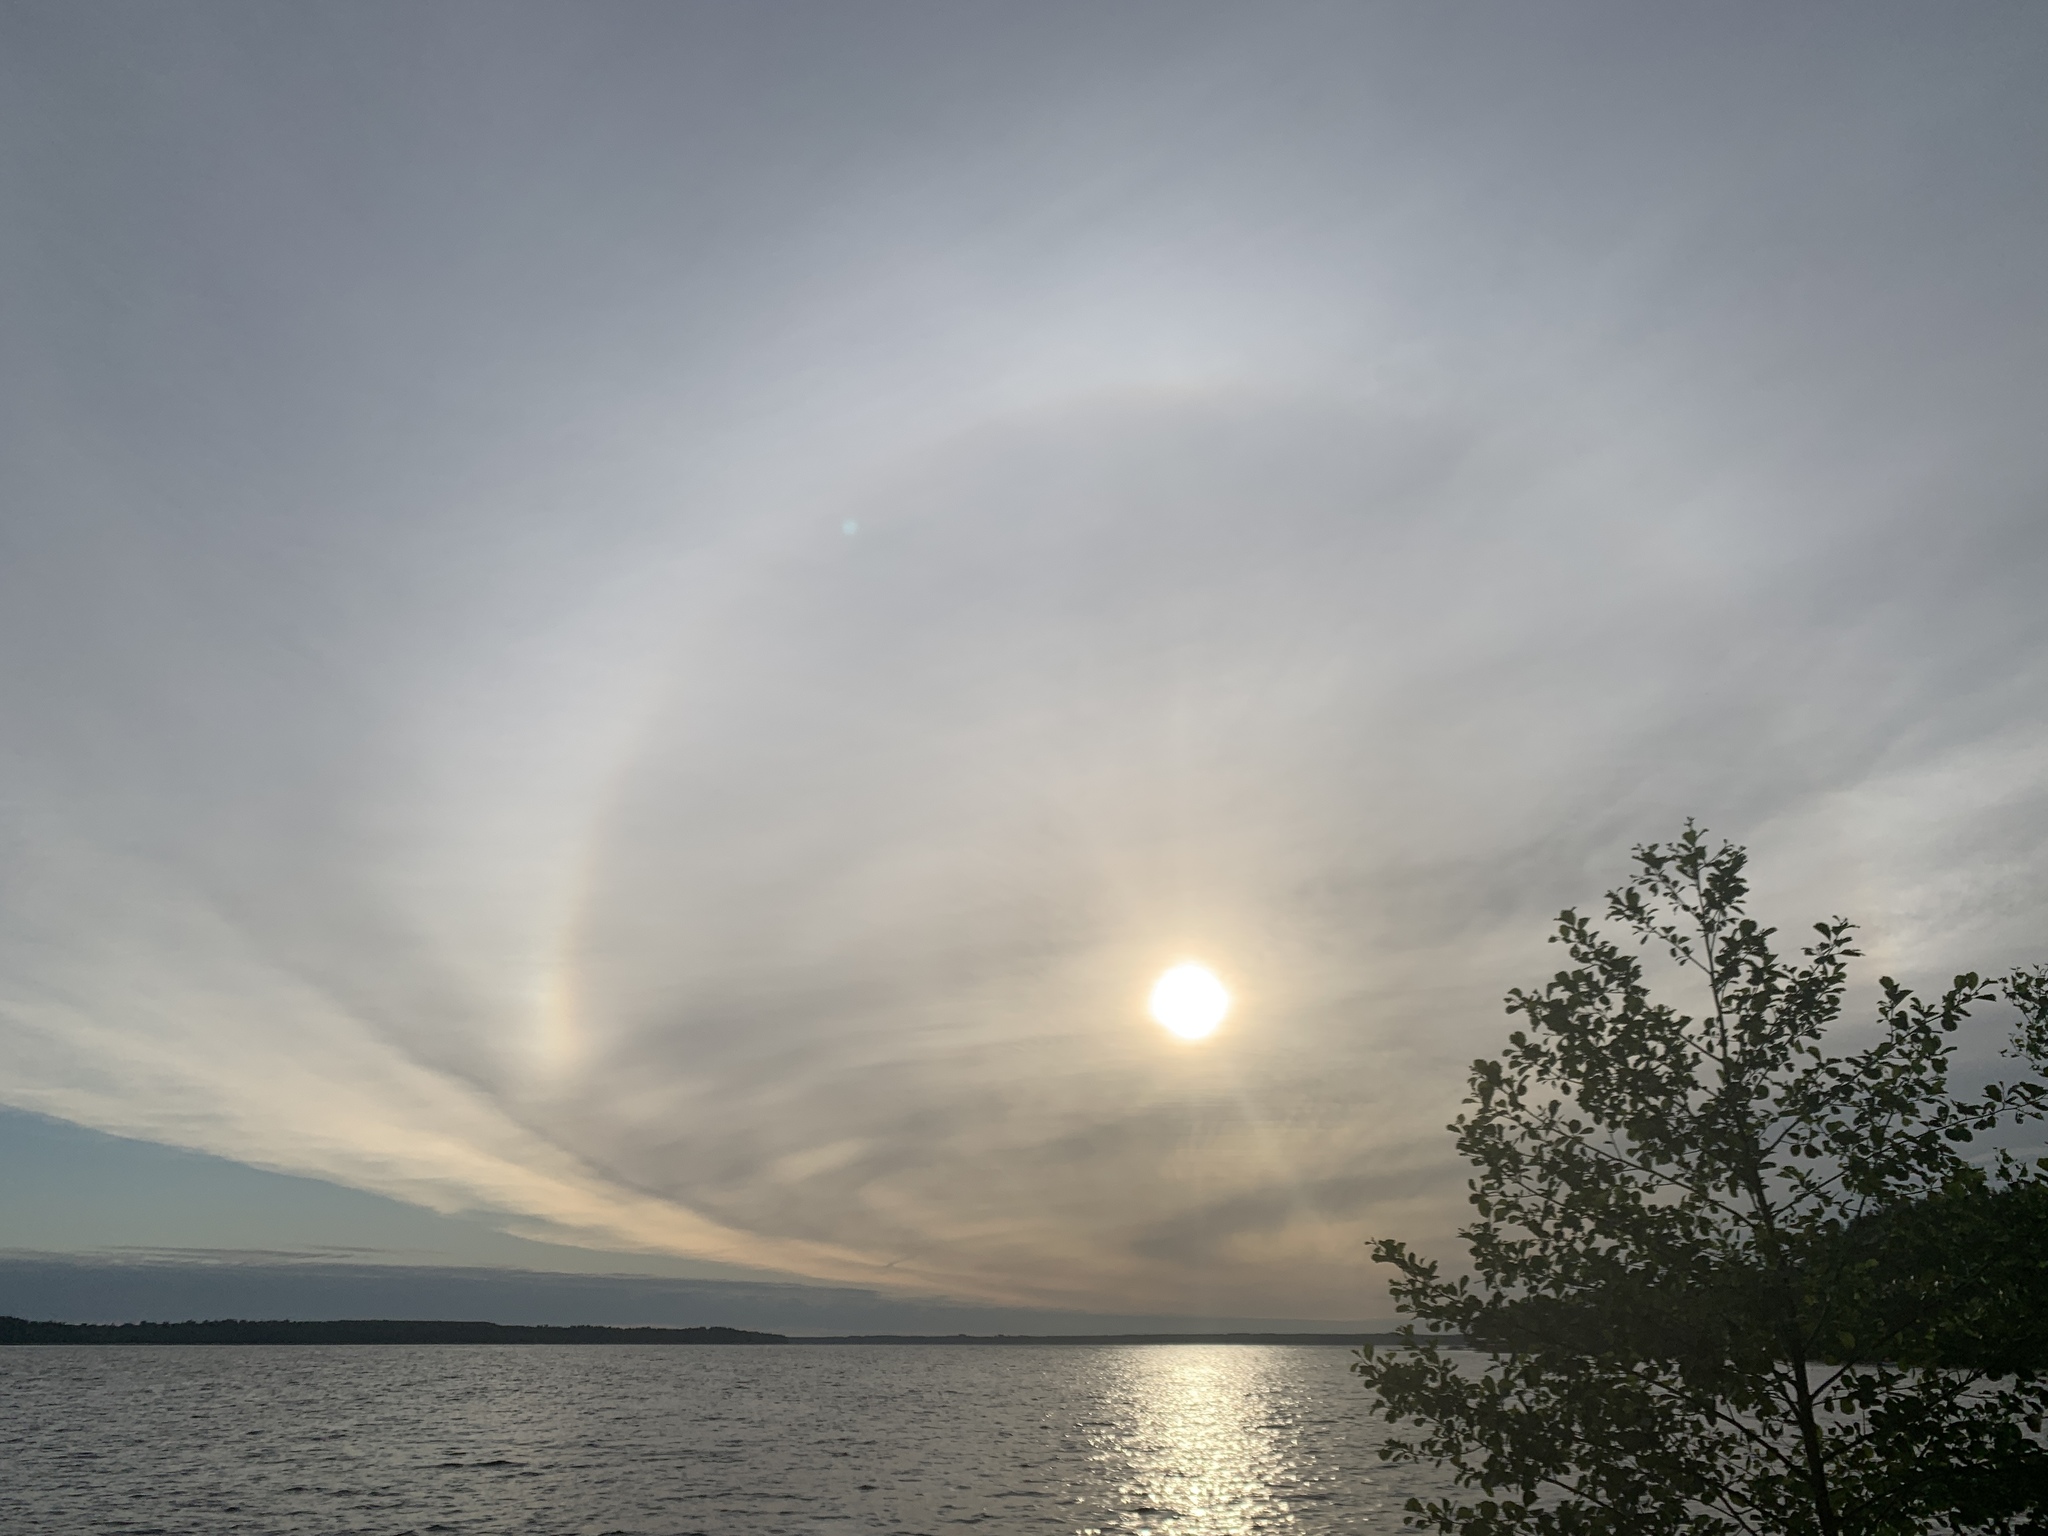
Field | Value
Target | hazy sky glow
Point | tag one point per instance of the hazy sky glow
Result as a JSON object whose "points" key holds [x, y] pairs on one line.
{"points": [[654, 621]]}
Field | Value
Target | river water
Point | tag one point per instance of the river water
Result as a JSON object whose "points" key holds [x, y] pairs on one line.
{"points": [[1191, 1440]]}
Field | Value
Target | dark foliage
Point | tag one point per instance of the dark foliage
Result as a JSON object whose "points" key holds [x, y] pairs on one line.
{"points": [[1726, 1281]]}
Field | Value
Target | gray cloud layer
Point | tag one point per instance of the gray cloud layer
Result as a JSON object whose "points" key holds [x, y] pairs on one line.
{"points": [[1320, 485]]}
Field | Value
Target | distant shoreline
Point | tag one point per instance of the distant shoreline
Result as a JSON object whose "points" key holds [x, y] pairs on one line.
{"points": [[23, 1331], [17, 1330]]}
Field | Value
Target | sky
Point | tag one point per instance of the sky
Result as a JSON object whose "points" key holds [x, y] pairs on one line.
{"points": [[629, 633]]}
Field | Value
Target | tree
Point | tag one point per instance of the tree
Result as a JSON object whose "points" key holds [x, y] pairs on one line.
{"points": [[1723, 1281]]}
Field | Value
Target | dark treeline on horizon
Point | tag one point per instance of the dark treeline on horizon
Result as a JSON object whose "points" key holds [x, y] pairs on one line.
{"points": [[17, 1330]]}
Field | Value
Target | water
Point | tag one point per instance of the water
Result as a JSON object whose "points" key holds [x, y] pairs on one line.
{"points": [[1170, 1440]]}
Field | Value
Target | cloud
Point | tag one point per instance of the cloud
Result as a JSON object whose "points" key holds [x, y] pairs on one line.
{"points": [[453, 746]]}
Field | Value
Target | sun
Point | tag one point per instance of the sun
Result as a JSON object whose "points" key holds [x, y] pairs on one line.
{"points": [[1190, 1001]]}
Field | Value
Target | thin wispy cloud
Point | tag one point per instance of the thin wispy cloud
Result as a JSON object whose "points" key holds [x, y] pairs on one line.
{"points": [[654, 623]]}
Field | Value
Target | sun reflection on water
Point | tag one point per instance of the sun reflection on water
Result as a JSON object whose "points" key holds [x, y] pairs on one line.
{"points": [[1212, 1440]]}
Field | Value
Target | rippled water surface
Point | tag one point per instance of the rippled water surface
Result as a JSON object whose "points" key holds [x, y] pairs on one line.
{"points": [[732, 1441]]}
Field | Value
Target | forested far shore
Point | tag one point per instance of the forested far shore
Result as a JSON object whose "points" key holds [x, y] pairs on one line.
{"points": [[18, 1330]]}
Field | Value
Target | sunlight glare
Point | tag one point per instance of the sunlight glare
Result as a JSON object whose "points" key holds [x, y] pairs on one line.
{"points": [[1190, 1001]]}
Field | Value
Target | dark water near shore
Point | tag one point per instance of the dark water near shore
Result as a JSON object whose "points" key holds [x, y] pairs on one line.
{"points": [[1193, 1440]]}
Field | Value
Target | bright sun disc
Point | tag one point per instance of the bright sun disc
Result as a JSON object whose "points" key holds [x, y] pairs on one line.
{"points": [[1190, 1001]]}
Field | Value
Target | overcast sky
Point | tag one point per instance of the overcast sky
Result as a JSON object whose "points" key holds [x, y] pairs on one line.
{"points": [[647, 622]]}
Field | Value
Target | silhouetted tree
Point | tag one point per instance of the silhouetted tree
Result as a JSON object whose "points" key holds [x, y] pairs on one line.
{"points": [[1723, 1280]]}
